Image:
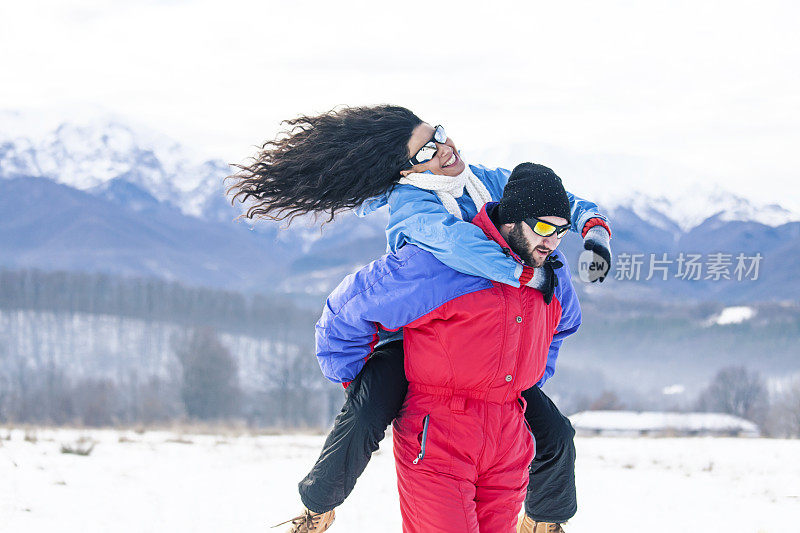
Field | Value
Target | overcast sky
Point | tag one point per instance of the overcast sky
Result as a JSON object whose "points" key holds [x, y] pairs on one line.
{"points": [[711, 89]]}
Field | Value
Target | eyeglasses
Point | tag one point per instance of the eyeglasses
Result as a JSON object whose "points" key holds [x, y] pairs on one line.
{"points": [[427, 152], [545, 229]]}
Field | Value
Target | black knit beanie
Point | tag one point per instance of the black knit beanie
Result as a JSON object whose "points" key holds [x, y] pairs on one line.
{"points": [[532, 191]]}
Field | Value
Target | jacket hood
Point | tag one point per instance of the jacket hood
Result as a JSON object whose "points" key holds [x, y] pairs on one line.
{"points": [[484, 221]]}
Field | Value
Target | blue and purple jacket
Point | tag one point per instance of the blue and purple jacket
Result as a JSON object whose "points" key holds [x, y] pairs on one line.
{"points": [[417, 216], [459, 331]]}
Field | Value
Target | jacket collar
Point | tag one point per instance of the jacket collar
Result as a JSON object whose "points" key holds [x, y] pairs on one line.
{"points": [[484, 221]]}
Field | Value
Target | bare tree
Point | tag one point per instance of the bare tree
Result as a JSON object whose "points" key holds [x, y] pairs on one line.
{"points": [[607, 401], [159, 401], [736, 391], [95, 402], [210, 388], [784, 415]]}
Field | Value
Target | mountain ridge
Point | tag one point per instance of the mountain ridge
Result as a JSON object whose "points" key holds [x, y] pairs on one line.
{"points": [[124, 201], [103, 147]]}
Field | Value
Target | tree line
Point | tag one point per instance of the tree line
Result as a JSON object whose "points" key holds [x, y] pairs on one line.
{"points": [[734, 390], [150, 299], [250, 357], [202, 380]]}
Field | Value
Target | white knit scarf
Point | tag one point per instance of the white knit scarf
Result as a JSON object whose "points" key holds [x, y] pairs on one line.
{"points": [[448, 188]]}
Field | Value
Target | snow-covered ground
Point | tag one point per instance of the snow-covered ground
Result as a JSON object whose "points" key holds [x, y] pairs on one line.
{"points": [[168, 482]]}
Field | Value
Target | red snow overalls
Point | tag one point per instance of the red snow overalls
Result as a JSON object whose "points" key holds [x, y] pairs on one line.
{"points": [[462, 447]]}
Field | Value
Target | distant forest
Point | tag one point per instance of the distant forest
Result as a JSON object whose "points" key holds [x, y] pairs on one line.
{"points": [[150, 299], [94, 349]]}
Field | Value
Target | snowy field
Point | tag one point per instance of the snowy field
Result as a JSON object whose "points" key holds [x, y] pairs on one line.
{"points": [[169, 482]]}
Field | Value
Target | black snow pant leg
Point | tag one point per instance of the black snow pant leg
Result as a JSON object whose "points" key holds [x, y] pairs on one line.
{"points": [[551, 493], [372, 401]]}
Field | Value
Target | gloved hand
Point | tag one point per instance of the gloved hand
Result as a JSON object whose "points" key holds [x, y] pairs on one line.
{"points": [[551, 279], [598, 240]]}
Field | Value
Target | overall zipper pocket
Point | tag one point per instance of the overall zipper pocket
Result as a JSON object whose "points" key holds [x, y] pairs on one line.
{"points": [[421, 454]]}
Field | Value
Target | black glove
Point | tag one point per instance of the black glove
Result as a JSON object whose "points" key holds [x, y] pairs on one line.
{"points": [[551, 279], [599, 241]]}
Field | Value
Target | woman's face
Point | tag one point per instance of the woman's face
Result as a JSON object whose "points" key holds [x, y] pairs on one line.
{"points": [[446, 161]]}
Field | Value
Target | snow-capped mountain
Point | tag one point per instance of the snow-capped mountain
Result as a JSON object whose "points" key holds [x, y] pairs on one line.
{"points": [[689, 209], [95, 149], [91, 152], [673, 195], [150, 206]]}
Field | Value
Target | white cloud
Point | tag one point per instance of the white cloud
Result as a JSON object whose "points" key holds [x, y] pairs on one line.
{"points": [[704, 85]]}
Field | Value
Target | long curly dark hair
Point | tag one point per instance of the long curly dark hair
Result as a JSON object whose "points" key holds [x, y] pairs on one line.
{"points": [[326, 163]]}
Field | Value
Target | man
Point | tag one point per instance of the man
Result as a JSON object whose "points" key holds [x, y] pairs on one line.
{"points": [[460, 305]]}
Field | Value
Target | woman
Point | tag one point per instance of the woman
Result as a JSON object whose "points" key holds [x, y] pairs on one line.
{"points": [[363, 158]]}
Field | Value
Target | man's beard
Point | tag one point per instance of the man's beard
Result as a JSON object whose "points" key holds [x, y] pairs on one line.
{"points": [[523, 248]]}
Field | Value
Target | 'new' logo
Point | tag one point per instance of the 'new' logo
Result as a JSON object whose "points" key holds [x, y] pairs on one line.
{"points": [[591, 266]]}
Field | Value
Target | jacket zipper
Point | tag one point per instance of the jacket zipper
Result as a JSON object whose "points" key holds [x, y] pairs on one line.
{"points": [[424, 438], [504, 343], [524, 323]]}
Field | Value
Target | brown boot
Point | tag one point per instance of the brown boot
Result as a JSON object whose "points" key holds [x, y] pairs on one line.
{"points": [[310, 521], [529, 525]]}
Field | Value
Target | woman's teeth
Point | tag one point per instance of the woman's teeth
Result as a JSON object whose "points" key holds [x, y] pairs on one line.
{"points": [[451, 160]]}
